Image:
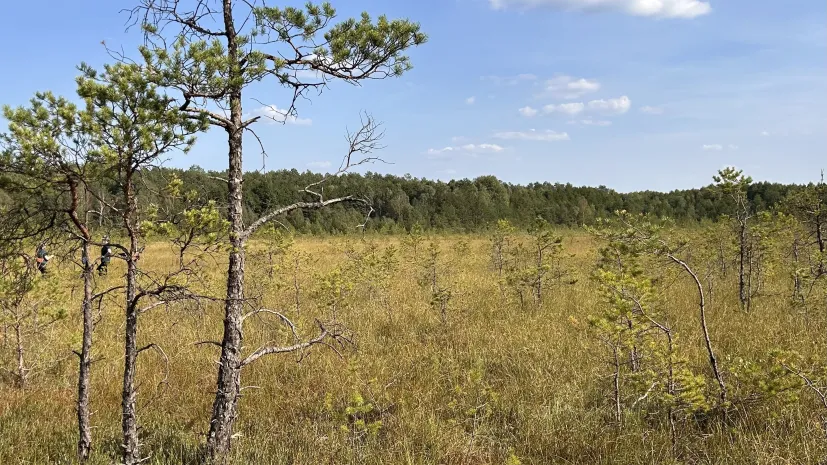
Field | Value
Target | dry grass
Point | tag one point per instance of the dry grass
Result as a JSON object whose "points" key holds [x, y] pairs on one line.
{"points": [[537, 369]]}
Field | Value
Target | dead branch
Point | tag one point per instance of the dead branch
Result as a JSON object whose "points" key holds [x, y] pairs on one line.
{"points": [[333, 332]]}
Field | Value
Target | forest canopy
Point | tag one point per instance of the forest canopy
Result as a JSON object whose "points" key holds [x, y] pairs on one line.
{"points": [[464, 205]]}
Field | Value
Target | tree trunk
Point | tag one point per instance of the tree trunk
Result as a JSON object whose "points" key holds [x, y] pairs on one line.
{"points": [[129, 421], [296, 285], [742, 285], [128, 396], [228, 385], [616, 384], [84, 429], [538, 298], [20, 354], [713, 361]]}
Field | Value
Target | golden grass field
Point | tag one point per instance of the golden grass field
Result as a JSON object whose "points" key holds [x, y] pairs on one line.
{"points": [[535, 375]]}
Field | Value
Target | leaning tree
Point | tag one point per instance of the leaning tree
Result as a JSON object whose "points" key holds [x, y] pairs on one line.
{"points": [[51, 166]]}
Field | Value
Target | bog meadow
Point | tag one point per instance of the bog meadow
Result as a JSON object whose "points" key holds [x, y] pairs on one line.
{"points": [[151, 314]]}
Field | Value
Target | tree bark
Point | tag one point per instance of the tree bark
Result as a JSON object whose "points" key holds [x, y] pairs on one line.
{"points": [[129, 420], [85, 355], [228, 384], [20, 354], [742, 285], [84, 428]]}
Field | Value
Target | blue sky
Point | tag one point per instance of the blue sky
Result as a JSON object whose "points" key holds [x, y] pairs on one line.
{"points": [[631, 94]]}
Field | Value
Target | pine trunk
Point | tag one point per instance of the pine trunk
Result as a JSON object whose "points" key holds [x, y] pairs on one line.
{"points": [[228, 384], [84, 429]]}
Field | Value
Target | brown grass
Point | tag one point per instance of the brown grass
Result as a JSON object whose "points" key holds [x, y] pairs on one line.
{"points": [[538, 370]]}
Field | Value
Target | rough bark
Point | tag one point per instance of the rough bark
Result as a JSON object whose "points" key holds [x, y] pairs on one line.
{"points": [[129, 420], [228, 384], [85, 355]]}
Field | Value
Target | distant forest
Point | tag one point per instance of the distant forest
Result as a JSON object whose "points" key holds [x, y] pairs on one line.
{"points": [[464, 205]]}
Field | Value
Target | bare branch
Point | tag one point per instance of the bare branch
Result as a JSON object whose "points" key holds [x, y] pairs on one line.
{"points": [[334, 332]]}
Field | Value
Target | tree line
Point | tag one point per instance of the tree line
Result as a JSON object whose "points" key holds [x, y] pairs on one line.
{"points": [[463, 205], [466, 205]]}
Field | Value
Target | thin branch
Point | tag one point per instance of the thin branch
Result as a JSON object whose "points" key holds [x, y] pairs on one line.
{"points": [[335, 332]]}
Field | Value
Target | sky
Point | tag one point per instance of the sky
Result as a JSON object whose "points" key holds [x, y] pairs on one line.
{"points": [[629, 94]]}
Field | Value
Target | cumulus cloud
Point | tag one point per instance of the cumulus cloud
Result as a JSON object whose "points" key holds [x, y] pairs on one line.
{"points": [[277, 115], [647, 8], [566, 108], [467, 149], [319, 164], [568, 88], [613, 106], [651, 110], [532, 134], [470, 100], [528, 111]]}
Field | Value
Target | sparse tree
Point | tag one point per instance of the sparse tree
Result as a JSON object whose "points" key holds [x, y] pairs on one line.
{"points": [[648, 236], [214, 51], [502, 242], [132, 126], [50, 150], [27, 306], [809, 248], [733, 185]]}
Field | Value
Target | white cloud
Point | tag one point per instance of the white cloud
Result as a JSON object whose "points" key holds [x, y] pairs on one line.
{"points": [[532, 134], [470, 100], [648, 8], [733, 147], [567, 108], [510, 80], [614, 106], [528, 111], [651, 110], [319, 164], [591, 122], [467, 149], [278, 115], [765, 133], [567, 87]]}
